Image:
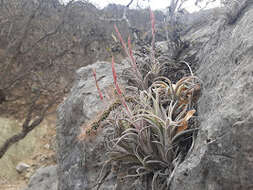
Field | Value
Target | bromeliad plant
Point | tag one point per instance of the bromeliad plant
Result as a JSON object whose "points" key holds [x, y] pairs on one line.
{"points": [[148, 141], [151, 136]]}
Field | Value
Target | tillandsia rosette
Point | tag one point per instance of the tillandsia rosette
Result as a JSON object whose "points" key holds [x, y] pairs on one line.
{"points": [[152, 133], [148, 139]]}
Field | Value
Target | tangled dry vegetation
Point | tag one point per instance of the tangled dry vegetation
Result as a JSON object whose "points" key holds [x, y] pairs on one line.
{"points": [[152, 133]]}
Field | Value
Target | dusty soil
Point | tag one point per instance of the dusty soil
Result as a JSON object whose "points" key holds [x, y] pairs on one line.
{"points": [[43, 155]]}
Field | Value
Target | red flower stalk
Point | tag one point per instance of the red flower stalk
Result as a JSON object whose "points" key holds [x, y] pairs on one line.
{"points": [[117, 87], [129, 53], [121, 39], [133, 61], [115, 77], [152, 18], [95, 77]]}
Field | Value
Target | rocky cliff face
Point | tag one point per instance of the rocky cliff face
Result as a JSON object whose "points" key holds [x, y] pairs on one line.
{"points": [[79, 161], [222, 158], [220, 51]]}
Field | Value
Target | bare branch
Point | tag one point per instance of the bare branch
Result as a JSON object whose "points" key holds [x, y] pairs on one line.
{"points": [[123, 18], [31, 65], [128, 5], [26, 127]]}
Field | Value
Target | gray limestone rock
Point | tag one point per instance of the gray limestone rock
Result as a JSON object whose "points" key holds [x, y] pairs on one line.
{"points": [[78, 161], [222, 158], [22, 167], [221, 54], [44, 179]]}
